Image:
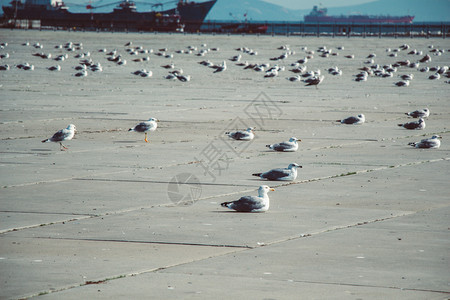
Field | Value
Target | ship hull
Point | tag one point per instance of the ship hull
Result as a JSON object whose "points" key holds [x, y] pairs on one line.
{"points": [[191, 14], [359, 19]]}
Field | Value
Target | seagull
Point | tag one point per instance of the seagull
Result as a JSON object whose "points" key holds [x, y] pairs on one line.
{"points": [[169, 66], [258, 203], [294, 78], [288, 146], [149, 125], [407, 76], [54, 68], [62, 135], [431, 143], [246, 135], [220, 68], [420, 113], [420, 124], [316, 81], [280, 174], [184, 78], [434, 76], [359, 119], [402, 83]]}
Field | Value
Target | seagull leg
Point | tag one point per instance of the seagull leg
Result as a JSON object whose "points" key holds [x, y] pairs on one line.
{"points": [[62, 147], [146, 138]]}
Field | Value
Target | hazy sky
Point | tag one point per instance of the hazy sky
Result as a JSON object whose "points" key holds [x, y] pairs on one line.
{"points": [[307, 4]]}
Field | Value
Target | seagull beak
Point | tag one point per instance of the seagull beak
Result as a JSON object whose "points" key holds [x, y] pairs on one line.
{"points": [[272, 190]]}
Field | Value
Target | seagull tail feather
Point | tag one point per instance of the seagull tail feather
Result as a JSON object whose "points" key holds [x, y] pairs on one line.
{"points": [[46, 140], [257, 174], [225, 204], [400, 125]]}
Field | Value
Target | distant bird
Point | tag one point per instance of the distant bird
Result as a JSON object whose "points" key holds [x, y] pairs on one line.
{"points": [[280, 174], [169, 66], [258, 203], [170, 76], [54, 68], [434, 76], [62, 135], [146, 126], [288, 146], [220, 68], [184, 78], [272, 73], [5, 67], [430, 143], [246, 135], [236, 58], [420, 113], [407, 76], [420, 124], [316, 81], [294, 78], [359, 119], [83, 73], [402, 83], [425, 59]]}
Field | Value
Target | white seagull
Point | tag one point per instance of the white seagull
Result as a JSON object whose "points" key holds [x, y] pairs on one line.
{"points": [[280, 174], [258, 203], [359, 119], [288, 146], [420, 124], [246, 135], [65, 134], [430, 143], [146, 126], [420, 113]]}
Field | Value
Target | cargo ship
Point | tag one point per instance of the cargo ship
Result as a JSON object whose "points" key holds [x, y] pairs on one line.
{"points": [[319, 15], [54, 13]]}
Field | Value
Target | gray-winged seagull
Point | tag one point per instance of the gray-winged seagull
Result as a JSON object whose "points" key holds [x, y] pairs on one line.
{"points": [[419, 113], [280, 174], [65, 134], [288, 146], [429, 143], [420, 124], [359, 119], [246, 135], [258, 203], [146, 126]]}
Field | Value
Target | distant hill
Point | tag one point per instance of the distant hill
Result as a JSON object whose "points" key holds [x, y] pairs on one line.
{"points": [[259, 10]]}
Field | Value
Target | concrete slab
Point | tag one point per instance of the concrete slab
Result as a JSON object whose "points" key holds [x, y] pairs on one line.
{"points": [[31, 267]]}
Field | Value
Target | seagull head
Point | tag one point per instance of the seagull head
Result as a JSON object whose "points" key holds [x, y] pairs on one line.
{"points": [[250, 129], [436, 137], [264, 189], [362, 117], [71, 127], [294, 166], [294, 139], [153, 120]]}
